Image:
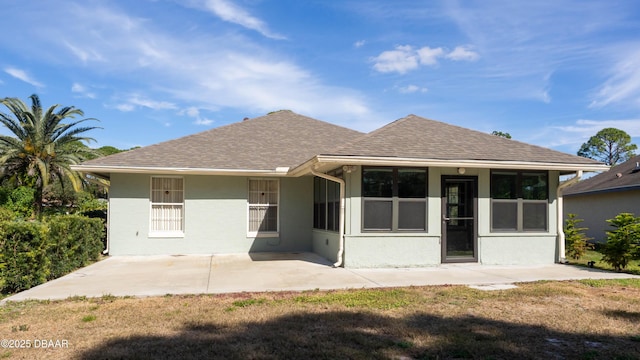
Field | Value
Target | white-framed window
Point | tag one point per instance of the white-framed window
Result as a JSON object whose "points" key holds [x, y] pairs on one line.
{"points": [[167, 206], [262, 204]]}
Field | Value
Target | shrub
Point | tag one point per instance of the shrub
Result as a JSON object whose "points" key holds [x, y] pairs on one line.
{"points": [[23, 255], [577, 242], [21, 200], [623, 243], [7, 214], [74, 241]]}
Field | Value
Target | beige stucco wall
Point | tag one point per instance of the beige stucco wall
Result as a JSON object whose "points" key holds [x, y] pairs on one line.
{"points": [[596, 209]]}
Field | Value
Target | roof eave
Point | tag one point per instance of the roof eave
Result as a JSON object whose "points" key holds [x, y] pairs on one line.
{"points": [[102, 170], [333, 160]]}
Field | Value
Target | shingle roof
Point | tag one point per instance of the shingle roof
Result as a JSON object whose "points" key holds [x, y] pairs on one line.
{"points": [[279, 139], [620, 177], [420, 138], [284, 139]]}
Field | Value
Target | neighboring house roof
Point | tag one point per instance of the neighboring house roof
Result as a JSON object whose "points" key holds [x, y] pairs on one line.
{"points": [[280, 139], [625, 176], [285, 143]]}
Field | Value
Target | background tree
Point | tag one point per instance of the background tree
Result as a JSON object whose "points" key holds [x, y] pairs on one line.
{"points": [[610, 145], [505, 135], [576, 241], [43, 146]]}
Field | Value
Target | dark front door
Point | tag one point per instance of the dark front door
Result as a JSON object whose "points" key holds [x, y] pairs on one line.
{"points": [[459, 220]]}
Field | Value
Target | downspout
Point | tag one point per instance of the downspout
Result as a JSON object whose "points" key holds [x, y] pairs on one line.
{"points": [[342, 206], [560, 208], [106, 250]]}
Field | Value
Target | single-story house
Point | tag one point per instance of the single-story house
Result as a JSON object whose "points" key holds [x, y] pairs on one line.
{"points": [[602, 197], [415, 192]]}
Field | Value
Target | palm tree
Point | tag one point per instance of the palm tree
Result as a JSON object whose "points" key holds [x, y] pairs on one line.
{"points": [[43, 147]]}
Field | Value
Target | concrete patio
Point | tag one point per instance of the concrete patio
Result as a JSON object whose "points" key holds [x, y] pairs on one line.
{"points": [[257, 272]]}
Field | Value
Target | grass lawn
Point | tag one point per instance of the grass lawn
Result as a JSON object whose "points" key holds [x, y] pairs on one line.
{"points": [[592, 255], [596, 319]]}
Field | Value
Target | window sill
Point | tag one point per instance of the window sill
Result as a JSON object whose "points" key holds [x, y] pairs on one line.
{"points": [[519, 233], [264, 235], [167, 234]]}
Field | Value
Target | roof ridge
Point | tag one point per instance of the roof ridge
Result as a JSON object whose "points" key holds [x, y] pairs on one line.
{"points": [[365, 136]]}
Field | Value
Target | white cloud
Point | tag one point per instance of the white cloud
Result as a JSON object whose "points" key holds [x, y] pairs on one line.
{"points": [[232, 13], [409, 89], [359, 43], [400, 60], [23, 76], [84, 55], [429, 56], [125, 107], [579, 132], [151, 104], [405, 58], [135, 101], [463, 53], [82, 91], [623, 85], [588, 128], [203, 121], [194, 112], [209, 70]]}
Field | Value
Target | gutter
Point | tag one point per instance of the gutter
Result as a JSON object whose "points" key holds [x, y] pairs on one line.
{"points": [[99, 169], [561, 238], [334, 160], [342, 212]]}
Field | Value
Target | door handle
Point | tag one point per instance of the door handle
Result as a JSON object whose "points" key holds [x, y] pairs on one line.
{"points": [[444, 218]]}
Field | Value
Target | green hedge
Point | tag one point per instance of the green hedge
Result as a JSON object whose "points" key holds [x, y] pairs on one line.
{"points": [[74, 241], [34, 252], [23, 255]]}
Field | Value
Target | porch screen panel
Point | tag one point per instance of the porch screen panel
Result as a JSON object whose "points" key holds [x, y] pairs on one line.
{"points": [[326, 208], [319, 203], [167, 204], [263, 205], [333, 205]]}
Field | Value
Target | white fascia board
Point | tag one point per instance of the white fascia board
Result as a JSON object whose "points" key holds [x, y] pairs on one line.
{"points": [[485, 164], [280, 171]]}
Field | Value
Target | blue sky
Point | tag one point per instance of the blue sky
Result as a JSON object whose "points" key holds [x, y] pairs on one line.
{"points": [[551, 73]]}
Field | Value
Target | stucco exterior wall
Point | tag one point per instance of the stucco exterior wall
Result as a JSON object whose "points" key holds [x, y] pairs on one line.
{"points": [[215, 211], [391, 251], [326, 244], [523, 249], [596, 209], [386, 249]]}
